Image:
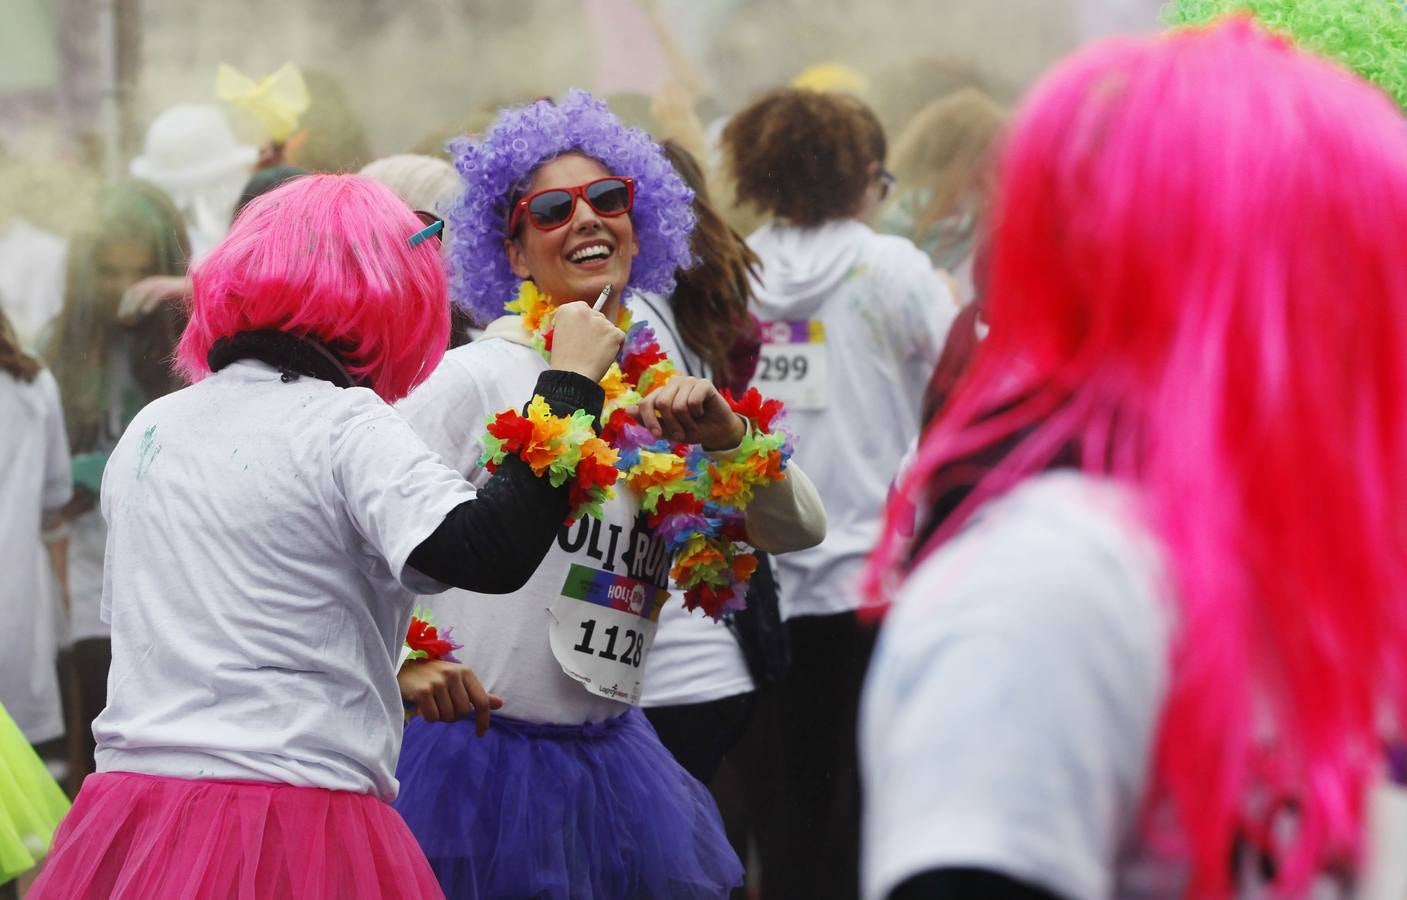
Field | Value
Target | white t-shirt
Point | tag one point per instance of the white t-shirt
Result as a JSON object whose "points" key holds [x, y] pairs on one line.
{"points": [[505, 636], [256, 581], [1010, 712], [1011, 707], [878, 313], [34, 476], [694, 659], [31, 278]]}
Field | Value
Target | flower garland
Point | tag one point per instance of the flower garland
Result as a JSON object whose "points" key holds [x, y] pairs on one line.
{"points": [[425, 642], [695, 502]]}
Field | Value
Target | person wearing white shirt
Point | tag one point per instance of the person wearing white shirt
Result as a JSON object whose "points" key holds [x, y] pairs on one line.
{"points": [[1147, 639], [572, 791], [704, 676], [31, 278], [269, 526], [852, 322], [34, 484]]}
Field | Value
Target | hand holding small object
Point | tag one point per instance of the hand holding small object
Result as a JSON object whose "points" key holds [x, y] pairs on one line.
{"points": [[584, 341]]}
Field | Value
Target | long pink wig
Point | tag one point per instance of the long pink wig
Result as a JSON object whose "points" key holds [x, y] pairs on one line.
{"points": [[327, 257], [1198, 282]]}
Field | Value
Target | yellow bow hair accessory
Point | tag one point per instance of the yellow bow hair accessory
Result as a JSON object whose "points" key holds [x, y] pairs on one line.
{"points": [[831, 77], [276, 101]]}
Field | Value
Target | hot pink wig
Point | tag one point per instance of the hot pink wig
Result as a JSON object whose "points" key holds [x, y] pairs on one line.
{"points": [[327, 257], [1198, 283]]}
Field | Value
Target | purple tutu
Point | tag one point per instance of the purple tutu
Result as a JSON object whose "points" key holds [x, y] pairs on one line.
{"points": [[587, 812]]}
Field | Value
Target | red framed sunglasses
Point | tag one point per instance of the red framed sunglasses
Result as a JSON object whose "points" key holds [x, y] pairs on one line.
{"points": [[551, 209]]}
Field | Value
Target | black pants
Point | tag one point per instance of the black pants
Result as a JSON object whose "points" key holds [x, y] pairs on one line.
{"points": [[83, 681], [700, 734], [810, 844]]}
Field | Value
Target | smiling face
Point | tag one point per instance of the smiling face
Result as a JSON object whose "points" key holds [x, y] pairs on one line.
{"points": [[577, 260]]}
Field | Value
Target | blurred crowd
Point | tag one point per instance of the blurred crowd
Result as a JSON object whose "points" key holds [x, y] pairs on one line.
{"points": [[1114, 372]]}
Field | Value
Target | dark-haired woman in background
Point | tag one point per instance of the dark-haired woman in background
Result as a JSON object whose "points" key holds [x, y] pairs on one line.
{"points": [[702, 677]]}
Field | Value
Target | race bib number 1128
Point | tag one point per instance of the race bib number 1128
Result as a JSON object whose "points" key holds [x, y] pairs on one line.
{"points": [[602, 628]]}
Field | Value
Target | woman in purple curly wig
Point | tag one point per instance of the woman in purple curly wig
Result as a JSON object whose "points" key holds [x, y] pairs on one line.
{"points": [[571, 793], [496, 173]]}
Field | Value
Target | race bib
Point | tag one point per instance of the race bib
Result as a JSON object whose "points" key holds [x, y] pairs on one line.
{"points": [[602, 629], [793, 366]]}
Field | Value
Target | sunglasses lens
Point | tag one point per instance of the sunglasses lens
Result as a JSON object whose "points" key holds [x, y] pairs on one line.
{"points": [[550, 208], [609, 197]]}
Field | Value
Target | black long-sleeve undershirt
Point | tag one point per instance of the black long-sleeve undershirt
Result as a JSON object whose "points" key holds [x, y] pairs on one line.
{"points": [[493, 543]]}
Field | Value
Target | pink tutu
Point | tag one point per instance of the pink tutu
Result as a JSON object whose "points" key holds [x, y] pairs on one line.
{"points": [[142, 836]]}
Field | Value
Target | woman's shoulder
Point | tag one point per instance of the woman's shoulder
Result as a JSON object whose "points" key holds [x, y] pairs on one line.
{"points": [[33, 395], [1063, 552], [481, 364], [895, 256]]}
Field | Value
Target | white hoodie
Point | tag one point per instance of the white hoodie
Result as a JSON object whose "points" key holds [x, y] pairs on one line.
{"points": [[878, 317]]}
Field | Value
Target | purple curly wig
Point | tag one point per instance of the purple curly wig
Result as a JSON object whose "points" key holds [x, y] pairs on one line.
{"points": [[497, 169]]}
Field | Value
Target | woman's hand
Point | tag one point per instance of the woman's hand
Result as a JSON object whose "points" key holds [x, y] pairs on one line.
{"points": [[583, 341], [142, 299], [444, 691], [690, 410]]}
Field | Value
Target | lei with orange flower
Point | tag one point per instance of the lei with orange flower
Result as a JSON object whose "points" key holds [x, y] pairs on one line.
{"points": [[694, 502]]}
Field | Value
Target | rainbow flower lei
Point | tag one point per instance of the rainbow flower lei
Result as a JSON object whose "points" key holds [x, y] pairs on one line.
{"points": [[696, 503]]}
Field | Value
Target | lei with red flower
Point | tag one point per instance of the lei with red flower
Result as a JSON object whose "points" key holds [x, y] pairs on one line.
{"points": [[694, 501], [424, 640]]}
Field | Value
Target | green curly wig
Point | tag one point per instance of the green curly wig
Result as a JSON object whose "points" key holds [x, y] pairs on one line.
{"points": [[1368, 36]]}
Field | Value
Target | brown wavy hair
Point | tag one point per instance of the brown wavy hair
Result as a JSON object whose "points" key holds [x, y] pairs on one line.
{"points": [[803, 156], [13, 359], [710, 300]]}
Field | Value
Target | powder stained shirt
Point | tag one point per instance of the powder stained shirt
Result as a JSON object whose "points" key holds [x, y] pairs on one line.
{"points": [[881, 314], [1010, 710], [256, 581]]}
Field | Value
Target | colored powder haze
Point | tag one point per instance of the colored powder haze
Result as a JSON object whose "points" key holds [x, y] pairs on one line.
{"points": [[413, 73]]}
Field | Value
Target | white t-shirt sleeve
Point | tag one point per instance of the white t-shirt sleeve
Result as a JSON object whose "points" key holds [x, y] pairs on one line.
{"points": [[1009, 711], [396, 491], [58, 474], [450, 412]]}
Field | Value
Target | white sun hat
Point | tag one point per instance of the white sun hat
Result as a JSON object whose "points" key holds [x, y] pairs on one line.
{"points": [[190, 145]]}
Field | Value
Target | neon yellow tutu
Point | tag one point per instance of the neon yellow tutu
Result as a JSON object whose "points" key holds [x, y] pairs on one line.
{"points": [[31, 803]]}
